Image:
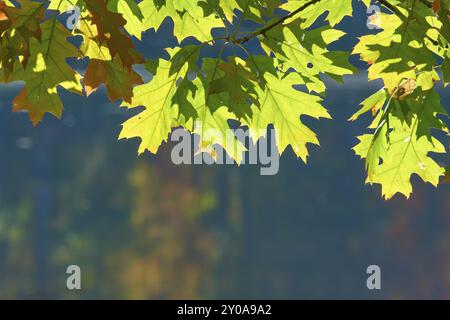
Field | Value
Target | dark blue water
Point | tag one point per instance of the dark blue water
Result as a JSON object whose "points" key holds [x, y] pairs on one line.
{"points": [[141, 227]]}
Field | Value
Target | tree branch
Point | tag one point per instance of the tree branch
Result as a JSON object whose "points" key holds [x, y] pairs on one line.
{"points": [[273, 25], [398, 12], [393, 9], [262, 31]]}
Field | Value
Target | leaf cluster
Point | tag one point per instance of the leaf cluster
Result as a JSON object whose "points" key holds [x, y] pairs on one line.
{"points": [[279, 86]]}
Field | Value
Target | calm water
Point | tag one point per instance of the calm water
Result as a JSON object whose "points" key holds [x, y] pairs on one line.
{"points": [[140, 227]]}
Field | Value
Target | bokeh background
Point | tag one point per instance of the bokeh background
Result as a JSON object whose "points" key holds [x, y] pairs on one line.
{"points": [[143, 228]]}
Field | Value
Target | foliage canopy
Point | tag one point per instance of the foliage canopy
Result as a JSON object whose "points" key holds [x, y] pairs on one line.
{"points": [[278, 86]]}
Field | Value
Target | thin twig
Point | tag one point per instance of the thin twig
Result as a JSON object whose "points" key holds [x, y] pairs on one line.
{"points": [[276, 23]]}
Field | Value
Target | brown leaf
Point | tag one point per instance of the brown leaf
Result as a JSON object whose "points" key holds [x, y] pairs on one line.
{"points": [[436, 6], [446, 178], [3, 15], [118, 79]]}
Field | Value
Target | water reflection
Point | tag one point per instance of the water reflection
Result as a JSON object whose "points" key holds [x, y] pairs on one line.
{"points": [[144, 228]]}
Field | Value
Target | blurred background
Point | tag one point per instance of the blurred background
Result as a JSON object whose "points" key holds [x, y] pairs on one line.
{"points": [[143, 228]]}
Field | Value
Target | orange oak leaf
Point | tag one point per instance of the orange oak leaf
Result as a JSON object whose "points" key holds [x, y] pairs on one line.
{"points": [[3, 15], [26, 19], [118, 79]]}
